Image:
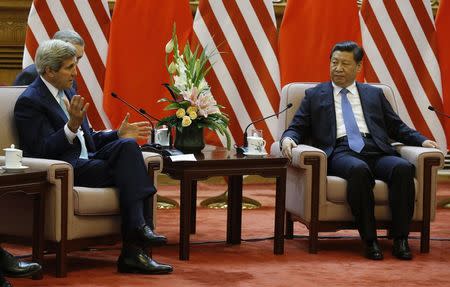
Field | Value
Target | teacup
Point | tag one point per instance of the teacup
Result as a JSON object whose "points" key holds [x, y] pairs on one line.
{"points": [[13, 157], [256, 144], [162, 136]]}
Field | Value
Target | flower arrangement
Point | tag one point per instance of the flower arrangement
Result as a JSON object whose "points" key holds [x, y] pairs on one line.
{"points": [[192, 101]]}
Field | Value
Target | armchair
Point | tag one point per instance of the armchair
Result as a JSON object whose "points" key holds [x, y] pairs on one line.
{"points": [[319, 201], [76, 217]]}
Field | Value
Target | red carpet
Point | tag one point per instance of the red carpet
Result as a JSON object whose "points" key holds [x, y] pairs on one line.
{"points": [[214, 263]]}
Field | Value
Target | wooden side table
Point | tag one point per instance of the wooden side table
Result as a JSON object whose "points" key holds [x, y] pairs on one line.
{"points": [[33, 183], [220, 162]]}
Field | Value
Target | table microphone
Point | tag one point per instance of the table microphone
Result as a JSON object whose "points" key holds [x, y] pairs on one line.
{"points": [[242, 149], [431, 108]]}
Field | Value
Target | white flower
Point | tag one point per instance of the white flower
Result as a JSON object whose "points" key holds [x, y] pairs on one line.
{"points": [[203, 85], [207, 105], [169, 46], [172, 68], [190, 95]]}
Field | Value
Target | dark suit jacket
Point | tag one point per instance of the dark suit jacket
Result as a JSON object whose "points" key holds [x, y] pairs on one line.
{"points": [[316, 119], [29, 74], [40, 123]]}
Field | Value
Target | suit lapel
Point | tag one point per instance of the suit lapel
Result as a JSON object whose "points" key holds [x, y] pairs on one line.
{"points": [[328, 101], [364, 99], [49, 100]]}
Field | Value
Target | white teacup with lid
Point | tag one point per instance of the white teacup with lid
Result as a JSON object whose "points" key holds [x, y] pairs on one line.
{"points": [[13, 157]]}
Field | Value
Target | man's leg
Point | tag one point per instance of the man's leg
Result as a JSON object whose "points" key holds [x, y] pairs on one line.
{"points": [[399, 174], [120, 163], [360, 183]]}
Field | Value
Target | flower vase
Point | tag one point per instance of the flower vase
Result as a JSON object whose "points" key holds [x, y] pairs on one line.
{"points": [[189, 139]]}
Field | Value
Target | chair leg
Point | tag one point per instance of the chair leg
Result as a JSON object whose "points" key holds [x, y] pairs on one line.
{"points": [[313, 238], [425, 238], [61, 260], [289, 231]]}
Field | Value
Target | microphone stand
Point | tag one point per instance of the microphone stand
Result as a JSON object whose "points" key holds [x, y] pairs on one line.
{"points": [[243, 148]]}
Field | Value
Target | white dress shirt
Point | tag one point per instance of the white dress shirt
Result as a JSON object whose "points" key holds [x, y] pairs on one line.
{"points": [[355, 101]]}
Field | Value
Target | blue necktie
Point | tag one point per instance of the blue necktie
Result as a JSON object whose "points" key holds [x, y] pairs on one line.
{"points": [[355, 140], [84, 152]]}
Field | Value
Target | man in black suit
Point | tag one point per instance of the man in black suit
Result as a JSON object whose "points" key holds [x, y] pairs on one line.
{"points": [[29, 74], [51, 123], [352, 123], [12, 267]]}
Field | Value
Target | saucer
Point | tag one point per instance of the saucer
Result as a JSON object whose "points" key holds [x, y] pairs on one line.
{"points": [[14, 169], [254, 153]]}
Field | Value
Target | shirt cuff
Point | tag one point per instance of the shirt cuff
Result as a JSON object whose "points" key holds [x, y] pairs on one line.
{"points": [[70, 135]]}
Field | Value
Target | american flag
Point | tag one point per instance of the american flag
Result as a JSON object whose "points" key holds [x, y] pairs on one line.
{"points": [[241, 37], [400, 42], [91, 20]]}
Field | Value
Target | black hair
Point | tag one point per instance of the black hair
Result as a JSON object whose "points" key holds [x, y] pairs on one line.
{"points": [[349, 46]]}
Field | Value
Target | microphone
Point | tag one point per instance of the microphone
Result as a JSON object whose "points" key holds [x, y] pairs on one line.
{"points": [[431, 108], [244, 147]]}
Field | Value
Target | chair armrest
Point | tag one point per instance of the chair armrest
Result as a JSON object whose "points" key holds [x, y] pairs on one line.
{"points": [[153, 159], [418, 155], [302, 153], [51, 165]]}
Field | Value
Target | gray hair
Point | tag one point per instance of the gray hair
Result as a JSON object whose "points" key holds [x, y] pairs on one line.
{"points": [[52, 54], [69, 36]]}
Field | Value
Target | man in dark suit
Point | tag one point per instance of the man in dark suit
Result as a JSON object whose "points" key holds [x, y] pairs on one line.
{"points": [[29, 74], [13, 267], [51, 123], [353, 123]]}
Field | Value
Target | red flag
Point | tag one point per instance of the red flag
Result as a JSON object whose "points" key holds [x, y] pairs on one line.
{"points": [[91, 20], [443, 40], [399, 39], [136, 68], [241, 38], [308, 32]]}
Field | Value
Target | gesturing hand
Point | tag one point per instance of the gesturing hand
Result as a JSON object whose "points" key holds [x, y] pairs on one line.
{"points": [[77, 109], [138, 130]]}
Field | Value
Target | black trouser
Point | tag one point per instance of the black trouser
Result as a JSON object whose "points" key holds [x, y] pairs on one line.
{"points": [[360, 170]]}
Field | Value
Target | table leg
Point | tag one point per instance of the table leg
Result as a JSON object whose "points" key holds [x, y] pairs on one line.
{"points": [[38, 232], [194, 207], [234, 210], [280, 208], [185, 216]]}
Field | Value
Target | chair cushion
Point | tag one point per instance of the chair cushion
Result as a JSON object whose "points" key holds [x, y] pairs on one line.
{"points": [[95, 201], [337, 190]]}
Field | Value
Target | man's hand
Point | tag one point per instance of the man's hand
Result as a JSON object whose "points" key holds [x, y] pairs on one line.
{"points": [[138, 130], [429, 143], [77, 109], [286, 147]]}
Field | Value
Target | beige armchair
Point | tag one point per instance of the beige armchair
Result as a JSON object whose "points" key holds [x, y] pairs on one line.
{"points": [[75, 217], [319, 201]]}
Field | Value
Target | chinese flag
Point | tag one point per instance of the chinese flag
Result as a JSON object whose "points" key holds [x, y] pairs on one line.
{"points": [[136, 68], [308, 32], [443, 40]]}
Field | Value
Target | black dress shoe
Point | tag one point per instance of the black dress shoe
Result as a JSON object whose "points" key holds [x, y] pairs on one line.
{"points": [[401, 249], [4, 282], [135, 260], [373, 250], [144, 237], [12, 267]]}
